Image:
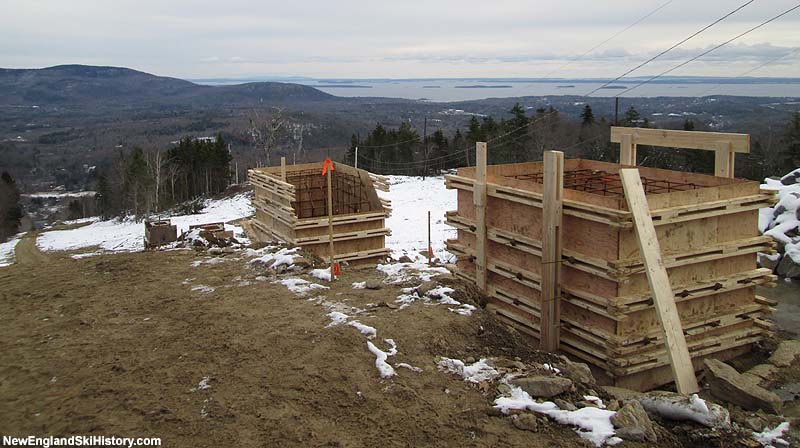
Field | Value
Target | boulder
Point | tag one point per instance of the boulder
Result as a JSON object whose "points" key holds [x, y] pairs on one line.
{"points": [[763, 371], [405, 259], [525, 422], [728, 385], [633, 423], [672, 406], [565, 405], [788, 268], [621, 394], [543, 386], [373, 284], [786, 353], [577, 371], [769, 261]]}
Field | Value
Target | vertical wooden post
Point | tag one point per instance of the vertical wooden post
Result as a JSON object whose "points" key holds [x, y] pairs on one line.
{"points": [[355, 159], [479, 200], [550, 320], [430, 249], [283, 169], [330, 225], [627, 150], [660, 288], [724, 159]]}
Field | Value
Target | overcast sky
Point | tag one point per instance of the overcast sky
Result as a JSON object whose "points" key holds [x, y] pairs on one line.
{"points": [[398, 38]]}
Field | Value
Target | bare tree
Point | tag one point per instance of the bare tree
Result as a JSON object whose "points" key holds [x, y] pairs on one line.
{"points": [[155, 164], [267, 130]]}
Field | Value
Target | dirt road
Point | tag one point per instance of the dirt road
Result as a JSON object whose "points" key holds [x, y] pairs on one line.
{"points": [[122, 345]]}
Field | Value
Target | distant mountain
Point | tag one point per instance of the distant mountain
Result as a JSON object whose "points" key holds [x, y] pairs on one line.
{"points": [[78, 86]]}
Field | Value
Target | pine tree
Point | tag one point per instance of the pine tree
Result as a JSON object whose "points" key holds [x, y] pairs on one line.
{"points": [[10, 209], [632, 117], [587, 116]]}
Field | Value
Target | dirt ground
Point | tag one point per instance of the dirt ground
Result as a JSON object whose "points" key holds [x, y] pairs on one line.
{"points": [[119, 344]]}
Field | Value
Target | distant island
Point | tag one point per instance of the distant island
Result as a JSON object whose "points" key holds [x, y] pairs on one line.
{"points": [[615, 87], [431, 87], [483, 87], [571, 86]]}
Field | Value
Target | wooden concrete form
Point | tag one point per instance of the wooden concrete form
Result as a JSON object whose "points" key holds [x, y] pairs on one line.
{"points": [[159, 233], [707, 228], [295, 210]]}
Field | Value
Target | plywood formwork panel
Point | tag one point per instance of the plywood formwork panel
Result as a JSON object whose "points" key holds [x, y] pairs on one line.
{"points": [[295, 211], [707, 227]]}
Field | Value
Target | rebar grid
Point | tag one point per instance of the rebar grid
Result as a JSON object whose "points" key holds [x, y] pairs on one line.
{"points": [[311, 194], [608, 184]]}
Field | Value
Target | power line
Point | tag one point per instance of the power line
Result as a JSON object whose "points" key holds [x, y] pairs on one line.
{"points": [[672, 47], [617, 34], [771, 61], [710, 50]]}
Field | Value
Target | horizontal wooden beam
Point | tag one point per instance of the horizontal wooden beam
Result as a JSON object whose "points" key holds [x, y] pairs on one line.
{"points": [[682, 139]]}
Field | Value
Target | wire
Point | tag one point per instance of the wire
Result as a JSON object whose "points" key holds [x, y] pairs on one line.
{"points": [[772, 61], [617, 34], [671, 48], [710, 50]]}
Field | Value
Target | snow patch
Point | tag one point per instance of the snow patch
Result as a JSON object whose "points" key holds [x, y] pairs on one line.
{"points": [[322, 274], [476, 372], [383, 367], [299, 286], [369, 332], [592, 424], [7, 250], [770, 437], [359, 285]]}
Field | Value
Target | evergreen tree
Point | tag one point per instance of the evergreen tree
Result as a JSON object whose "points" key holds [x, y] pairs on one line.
{"points": [[587, 116], [10, 209], [791, 145], [632, 117], [104, 197]]}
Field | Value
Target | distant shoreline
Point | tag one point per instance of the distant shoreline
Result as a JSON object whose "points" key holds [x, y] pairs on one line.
{"points": [[482, 87]]}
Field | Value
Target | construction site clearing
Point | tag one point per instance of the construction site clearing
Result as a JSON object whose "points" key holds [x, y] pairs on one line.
{"points": [[544, 329]]}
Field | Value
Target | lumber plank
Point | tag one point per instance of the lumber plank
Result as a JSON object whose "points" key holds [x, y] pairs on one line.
{"points": [[666, 309], [682, 139], [479, 201], [551, 249]]}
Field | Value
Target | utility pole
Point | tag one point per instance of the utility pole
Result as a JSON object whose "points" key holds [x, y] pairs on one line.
{"points": [[355, 159], [425, 142], [616, 111]]}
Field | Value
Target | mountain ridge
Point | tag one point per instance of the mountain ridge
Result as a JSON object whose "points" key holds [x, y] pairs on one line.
{"points": [[78, 86]]}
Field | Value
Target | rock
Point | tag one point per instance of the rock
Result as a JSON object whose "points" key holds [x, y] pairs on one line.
{"points": [[565, 405], [672, 406], [621, 394], [504, 389], [586, 404], [404, 259], [373, 284], [577, 371], [788, 268], [426, 287], [763, 371], [791, 178], [727, 384], [525, 422], [755, 423], [768, 261], [785, 354], [543, 386], [633, 423], [215, 251], [301, 262], [612, 405]]}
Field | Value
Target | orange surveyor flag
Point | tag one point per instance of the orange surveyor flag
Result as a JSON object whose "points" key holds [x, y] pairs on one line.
{"points": [[325, 165], [336, 269]]}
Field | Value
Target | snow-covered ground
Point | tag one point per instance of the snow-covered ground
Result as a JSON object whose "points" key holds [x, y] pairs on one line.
{"points": [[783, 221], [7, 250], [412, 198], [127, 235]]}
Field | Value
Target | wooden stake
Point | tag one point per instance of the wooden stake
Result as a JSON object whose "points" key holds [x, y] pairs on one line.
{"points": [[479, 200], [551, 250], [283, 169], [430, 250], [627, 150], [663, 298], [330, 225]]}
